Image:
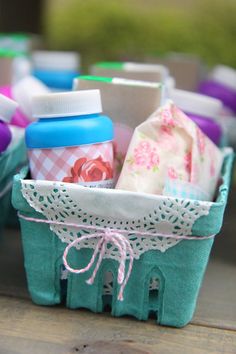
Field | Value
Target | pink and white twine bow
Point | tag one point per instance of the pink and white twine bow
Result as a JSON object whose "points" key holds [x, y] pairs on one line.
{"points": [[108, 236]]}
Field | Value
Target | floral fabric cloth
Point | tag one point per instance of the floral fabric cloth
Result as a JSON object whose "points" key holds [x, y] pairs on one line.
{"points": [[169, 146]]}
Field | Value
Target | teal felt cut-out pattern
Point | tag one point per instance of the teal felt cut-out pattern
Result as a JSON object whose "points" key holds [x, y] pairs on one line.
{"points": [[167, 271]]}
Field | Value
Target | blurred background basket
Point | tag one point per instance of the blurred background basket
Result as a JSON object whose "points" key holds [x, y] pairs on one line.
{"points": [[10, 162]]}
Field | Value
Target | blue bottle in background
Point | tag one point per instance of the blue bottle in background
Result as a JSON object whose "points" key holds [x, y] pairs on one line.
{"points": [[56, 69]]}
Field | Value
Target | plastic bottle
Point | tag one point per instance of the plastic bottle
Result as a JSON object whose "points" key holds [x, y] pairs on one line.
{"points": [[19, 41], [221, 84], [203, 110], [7, 109], [56, 69], [22, 92], [71, 141]]}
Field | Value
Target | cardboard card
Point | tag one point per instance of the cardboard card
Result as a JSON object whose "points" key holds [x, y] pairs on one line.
{"points": [[128, 102], [130, 70], [6, 70], [187, 70], [20, 42]]}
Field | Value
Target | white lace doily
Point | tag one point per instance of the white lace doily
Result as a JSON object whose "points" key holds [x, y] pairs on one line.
{"points": [[70, 203]]}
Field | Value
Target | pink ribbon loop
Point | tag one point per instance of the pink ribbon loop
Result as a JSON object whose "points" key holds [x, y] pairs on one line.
{"points": [[108, 236]]}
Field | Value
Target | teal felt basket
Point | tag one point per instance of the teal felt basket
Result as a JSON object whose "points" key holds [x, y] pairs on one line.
{"points": [[167, 272], [10, 161]]}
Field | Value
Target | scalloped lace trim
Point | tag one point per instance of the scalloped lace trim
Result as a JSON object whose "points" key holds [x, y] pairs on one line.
{"points": [[65, 203]]}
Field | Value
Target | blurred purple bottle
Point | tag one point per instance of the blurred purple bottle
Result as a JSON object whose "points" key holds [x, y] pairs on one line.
{"points": [[22, 92], [7, 109], [203, 110], [221, 84], [18, 119]]}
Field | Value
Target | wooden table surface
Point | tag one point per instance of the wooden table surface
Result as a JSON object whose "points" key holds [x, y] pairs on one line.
{"points": [[27, 328]]}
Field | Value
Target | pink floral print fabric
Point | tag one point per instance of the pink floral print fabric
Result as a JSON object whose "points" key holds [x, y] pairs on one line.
{"points": [[168, 145]]}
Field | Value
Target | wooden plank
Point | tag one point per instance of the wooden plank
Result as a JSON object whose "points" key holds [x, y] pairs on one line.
{"points": [[8, 345], [33, 329], [217, 301], [12, 275], [14, 345]]}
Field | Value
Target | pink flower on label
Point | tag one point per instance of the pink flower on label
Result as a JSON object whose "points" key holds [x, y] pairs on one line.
{"points": [[145, 155], [93, 170], [188, 161], [201, 141], [172, 173]]}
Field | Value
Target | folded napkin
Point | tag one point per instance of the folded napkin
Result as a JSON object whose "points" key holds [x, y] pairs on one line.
{"points": [[167, 147]]}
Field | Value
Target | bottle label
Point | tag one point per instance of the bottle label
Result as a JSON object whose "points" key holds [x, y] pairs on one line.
{"points": [[87, 165], [108, 183]]}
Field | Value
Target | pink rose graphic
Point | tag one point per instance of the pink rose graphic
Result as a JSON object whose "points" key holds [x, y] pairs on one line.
{"points": [[85, 170]]}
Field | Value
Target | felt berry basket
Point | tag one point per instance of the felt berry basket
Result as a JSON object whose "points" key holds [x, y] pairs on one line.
{"points": [[10, 160], [137, 254]]}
